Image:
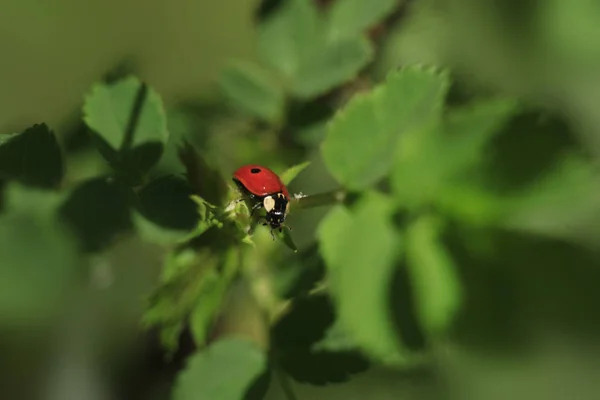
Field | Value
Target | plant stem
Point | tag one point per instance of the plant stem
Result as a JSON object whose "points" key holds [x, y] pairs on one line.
{"points": [[285, 384], [317, 200]]}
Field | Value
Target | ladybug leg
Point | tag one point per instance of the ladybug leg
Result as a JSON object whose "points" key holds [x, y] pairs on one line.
{"points": [[254, 208], [272, 234]]}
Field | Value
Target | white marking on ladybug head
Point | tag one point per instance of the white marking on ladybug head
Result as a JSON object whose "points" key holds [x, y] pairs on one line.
{"points": [[269, 203]]}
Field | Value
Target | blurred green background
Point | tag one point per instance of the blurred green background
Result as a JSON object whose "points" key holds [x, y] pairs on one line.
{"points": [[532, 332]]}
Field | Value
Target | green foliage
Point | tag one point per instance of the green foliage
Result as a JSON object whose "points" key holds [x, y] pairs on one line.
{"points": [[253, 90], [352, 17], [362, 246], [438, 291], [409, 102], [130, 123], [449, 215], [224, 371], [32, 157]]}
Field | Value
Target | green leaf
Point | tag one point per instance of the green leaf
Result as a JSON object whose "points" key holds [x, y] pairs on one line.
{"points": [[107, 111], [254, 91], [224, 371], [361, 141], [210, 300], [294, 41], [330, 66], [212, 294], [337, 338], [361, 250], [32, 157], [351, 18], [429, 160], [291, 173], [131, 139], [437, 287], [289, 37], [565, 203], [38, 259], [111, 203], [208, 216]]}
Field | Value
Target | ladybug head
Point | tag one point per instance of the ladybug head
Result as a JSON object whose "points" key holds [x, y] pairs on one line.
{"points": [[276, 207]]}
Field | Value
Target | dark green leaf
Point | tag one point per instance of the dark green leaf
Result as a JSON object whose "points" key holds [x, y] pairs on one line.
{"points": [[361, 142], [32, 157], [98, 211], [167, 202], [224, 371], [254, 91]]}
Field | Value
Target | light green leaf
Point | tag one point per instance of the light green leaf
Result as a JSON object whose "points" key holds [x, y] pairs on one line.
{"points": [[361, 141], [224, 371], [290, 37], [291, 173], [351, 18], [360, 250], [428, 160], [331, 65], [108, 108], [294, 42], [565, 203], [433, 275], [208, 304], [254, 91], [209, 216]]}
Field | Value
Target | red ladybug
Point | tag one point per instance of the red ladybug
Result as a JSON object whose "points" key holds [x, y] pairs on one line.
{"points": [[266, 189]]}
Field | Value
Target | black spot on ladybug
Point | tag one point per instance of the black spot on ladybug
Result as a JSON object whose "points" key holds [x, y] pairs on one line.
{"points": [[255, 170]]}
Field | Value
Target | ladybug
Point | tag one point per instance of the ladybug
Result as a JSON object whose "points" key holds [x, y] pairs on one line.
{"points": [[266, 189]]}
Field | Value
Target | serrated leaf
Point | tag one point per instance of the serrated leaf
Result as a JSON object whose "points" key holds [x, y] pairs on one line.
{"points": [[363, 246], [437, 287], [107, 111], [224, 371], [291, 173], [129, 137], [361, 141], [286, 236], [351, 18], [32, 157], [253, 90]]}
